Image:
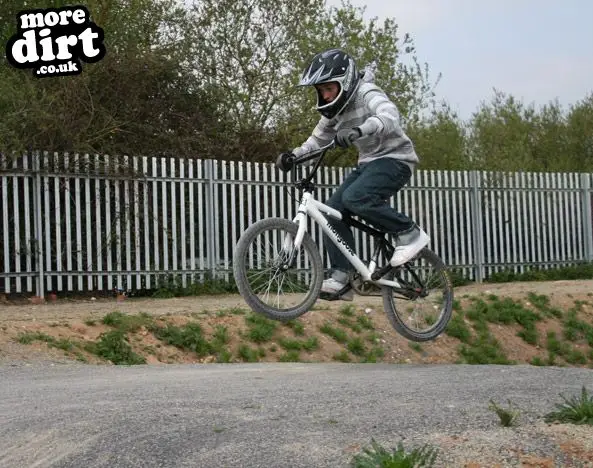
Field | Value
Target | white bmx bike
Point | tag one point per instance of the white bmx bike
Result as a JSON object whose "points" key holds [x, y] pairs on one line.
{"points": [[279, 271]]}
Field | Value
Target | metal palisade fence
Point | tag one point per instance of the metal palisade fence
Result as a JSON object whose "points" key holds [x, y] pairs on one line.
{"points": [[80, 222]]}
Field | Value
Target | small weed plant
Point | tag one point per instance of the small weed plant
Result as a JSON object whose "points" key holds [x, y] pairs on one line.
{"points": [[575, 410], [508, 416], [377, 456]]}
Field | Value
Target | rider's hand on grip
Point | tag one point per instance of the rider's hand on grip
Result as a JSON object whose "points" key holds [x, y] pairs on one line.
{"points": [[345, 137]]}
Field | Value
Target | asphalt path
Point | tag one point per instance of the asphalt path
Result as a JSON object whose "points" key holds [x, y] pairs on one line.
{"points": [[251, 415]]}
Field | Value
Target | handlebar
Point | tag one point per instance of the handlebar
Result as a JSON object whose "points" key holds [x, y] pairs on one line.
{"points": [[313, 154], [307, 182]]}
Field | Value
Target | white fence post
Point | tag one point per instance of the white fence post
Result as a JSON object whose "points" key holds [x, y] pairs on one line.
{"points": [[210, 232], [37, 222], [476, 219], [587, 216]]}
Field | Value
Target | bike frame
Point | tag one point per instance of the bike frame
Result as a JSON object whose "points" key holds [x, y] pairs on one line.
{"points": [[315, 209]]}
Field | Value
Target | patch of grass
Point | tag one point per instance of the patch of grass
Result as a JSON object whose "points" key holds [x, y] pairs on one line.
{"points": [[114, 346], [458, 277], [30, 337], [80, 357], [297, 327], [310, 344], [127, 323], [551, 361], [337, 334], [537, 361], [342, 356], [149, 349], [503, 311], [373, 354], [290, 345], [261, 329], [224, 356], [64, 344], [574, 356], [172, 286], [499, 311], [529, 335], [349, 324], [575, 410], [347, 310], [90, 322], [575, 329], [377, 456], [542, 303], [582, 270], [457, 328], [217, 345], [508, 416], [221, 334], [189, 337], [430, 320], [555, 346], [373, 337], [415, 346], [365, 322], [248, 354], [485, 349], [356, 346], [290, 356]]}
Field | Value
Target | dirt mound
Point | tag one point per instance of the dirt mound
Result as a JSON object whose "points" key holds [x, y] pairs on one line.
{"points": [[165, 331]]}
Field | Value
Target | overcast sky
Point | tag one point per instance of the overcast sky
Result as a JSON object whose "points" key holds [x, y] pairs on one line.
{"points": [[536, 50]]}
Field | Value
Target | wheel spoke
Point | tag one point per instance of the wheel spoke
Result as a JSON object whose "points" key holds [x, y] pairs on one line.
{"points": [[426, 310], [276, 288]]}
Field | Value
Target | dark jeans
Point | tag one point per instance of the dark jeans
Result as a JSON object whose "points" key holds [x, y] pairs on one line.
{"points": [[365, 193]]}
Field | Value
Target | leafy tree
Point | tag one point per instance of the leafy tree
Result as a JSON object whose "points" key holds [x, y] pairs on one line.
{"points": [[251, 54], [579, 127], [440, 139], [138, 100]]}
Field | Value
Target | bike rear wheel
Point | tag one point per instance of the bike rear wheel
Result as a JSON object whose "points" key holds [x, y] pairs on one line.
{"points": [[274, 278], [423, 310]]}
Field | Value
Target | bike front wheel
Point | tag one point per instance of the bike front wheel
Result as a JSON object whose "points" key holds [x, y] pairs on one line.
{"points": [[275, 278], [421, 309]]}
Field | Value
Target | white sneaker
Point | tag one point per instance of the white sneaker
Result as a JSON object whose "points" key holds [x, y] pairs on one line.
{"points": [[332, 287], [412, 243]]}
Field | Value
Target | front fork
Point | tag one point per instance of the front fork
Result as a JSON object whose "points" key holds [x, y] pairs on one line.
{"points": [[292, 243]]}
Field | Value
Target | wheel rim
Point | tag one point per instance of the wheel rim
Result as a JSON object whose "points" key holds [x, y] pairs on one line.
{"points": [[279, 278], [424, 310]]}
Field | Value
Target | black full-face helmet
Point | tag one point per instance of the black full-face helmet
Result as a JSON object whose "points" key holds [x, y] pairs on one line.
{"points": [[337, 66]]}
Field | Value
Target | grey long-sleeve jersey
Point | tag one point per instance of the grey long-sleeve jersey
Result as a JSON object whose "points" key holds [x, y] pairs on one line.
{"points": [[379, 121]]}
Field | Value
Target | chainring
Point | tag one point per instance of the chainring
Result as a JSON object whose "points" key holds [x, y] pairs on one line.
{"points": [[363, 288]]}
